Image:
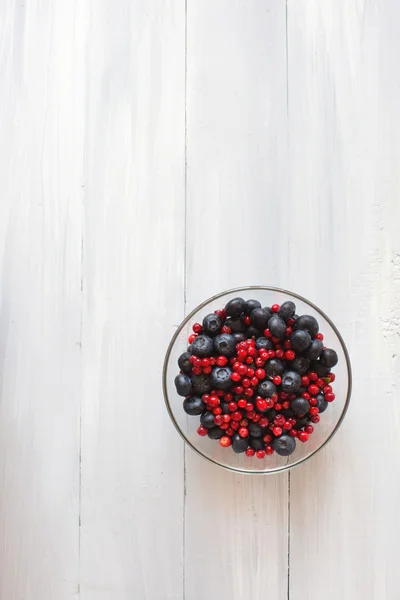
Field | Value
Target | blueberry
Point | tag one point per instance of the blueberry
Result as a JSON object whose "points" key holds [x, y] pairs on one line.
{"points": [[225, 344], [291, 382], [221, 378], [300, 364], [259, 318], [287, 310], [320, 369], [257, 443], [184, 362], [215, 433], [277, 326], [271, 414], [251, 305], [183, 384], [253, 332], [329, 358], [239, 444], [255, 429], [300, 423], [235, 307], [201, 383], [236, 324], [269, 311], [299, 406], [263, 342], [287, 413], [322, 403], [202, 346], [274, 367], [284, 445], [193, 405], [212, 324], [314, 350], [239, 337], [225, 408], [266, 389], [207, 420], [308, 323], [300, 340]]}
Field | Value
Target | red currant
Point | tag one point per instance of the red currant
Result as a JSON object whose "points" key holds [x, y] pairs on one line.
{"points": [[305, 382], [287, 425], [225, 441], [267, 438], [313, 389], [277, 380], [303, 436], [277, 431], [237, 415], [226, 329], [222, 361], [319, 336], [202, 430], [232, 406], [235, 376], [290, 355], [261, 404], [275, 308], [313, 411], [247, 320], [243, 432], [263, 422], [260, 453], [315, 419], [250, 452], [309, 429], [218, 419], [269, 450], [197, 328], [330, 397]]}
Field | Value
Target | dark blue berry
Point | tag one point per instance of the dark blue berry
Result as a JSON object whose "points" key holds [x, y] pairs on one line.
{"points": [[308, 323], [251, 305], [259, 318], [291, 382], [329, 358], [255, 429], [314, 350], [263, 342], [239, 444], [269, 311], [299, 406], [287, 310], [202, 346], [266, 389], [253, 332], [284, 445], [221, 378], [225, 344], [184, 362], [300, 364], [256, 443], [193, 405], [225, 408], [236, 324], [239, 337], [277, 326], [235, 307], [300, 423], [207, 420], [300, 340], [271, 414], [322, 403], [201, 384], [212, 324], [215, 433], [274, 367], [320, 369], [183, 384]]}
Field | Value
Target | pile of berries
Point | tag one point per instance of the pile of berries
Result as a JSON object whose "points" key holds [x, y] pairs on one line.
{"points": [[259, 378]]}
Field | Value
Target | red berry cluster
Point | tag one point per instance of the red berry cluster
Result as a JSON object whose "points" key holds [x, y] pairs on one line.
{"points": [[236, 408]]}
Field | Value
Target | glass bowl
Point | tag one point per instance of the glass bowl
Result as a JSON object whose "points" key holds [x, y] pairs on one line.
{"points": [[210, 449]]}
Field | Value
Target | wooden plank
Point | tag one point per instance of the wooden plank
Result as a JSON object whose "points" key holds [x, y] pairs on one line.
{"points": [[41, 158], [236, 526], [132, 459], [344, 131]]}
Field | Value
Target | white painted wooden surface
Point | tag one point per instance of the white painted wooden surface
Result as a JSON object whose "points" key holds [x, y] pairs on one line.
{"points": [[152, 154]]}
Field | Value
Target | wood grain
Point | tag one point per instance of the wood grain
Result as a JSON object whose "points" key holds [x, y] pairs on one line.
{"points": [[236, 526], [344, 188], [132, 459], [41, 158]]}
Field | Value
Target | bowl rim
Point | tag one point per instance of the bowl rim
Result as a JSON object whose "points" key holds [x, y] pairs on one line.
{"points": [[202, 305]]}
